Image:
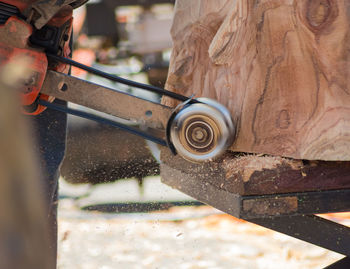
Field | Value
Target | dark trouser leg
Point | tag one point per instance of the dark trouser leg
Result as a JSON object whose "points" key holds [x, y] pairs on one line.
{"points": [[50, 132]]}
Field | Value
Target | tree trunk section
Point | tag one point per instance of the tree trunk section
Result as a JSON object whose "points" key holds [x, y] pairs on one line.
{"points": [[280, 66]]}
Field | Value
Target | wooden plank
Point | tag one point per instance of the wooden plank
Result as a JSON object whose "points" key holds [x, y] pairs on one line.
{"points": [[205, 188], [24, 236], [252, 174], [292, 204], [280, 66], [202, 190]]}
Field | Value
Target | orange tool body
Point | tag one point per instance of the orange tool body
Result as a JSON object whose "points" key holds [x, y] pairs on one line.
{"points": [[19, 38]]}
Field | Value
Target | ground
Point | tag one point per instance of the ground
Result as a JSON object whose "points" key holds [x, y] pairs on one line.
{"points": [[182, 237]]}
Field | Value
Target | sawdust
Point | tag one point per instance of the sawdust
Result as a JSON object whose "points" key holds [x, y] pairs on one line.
{"points": [[248, 164]]}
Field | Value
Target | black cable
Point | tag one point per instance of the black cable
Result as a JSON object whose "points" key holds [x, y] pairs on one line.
{"points": [[121, 80], [102, 120]]}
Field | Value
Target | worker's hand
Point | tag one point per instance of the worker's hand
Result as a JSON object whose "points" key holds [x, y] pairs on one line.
{"points": [[15, 42], [14, 35], [63, 20]]}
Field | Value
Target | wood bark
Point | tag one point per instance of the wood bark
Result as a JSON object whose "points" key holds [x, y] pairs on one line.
{"points": [[24, 235], [280, 66]]}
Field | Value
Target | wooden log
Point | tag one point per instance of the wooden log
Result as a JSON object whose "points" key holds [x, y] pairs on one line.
{"points": [[24, 236], [280, 66]]}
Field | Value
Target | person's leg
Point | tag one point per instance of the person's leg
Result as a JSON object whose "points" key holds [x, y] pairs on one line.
{"points": [[50, 132]]}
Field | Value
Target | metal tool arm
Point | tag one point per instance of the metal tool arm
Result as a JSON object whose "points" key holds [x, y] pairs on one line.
{"points": [[102, 99], [198, 129]]}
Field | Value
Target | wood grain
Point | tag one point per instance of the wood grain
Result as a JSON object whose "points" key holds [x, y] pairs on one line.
{"points": [[280, 66]]}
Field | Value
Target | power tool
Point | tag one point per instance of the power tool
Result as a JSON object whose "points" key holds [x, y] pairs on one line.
{"points": [[198, 129]]}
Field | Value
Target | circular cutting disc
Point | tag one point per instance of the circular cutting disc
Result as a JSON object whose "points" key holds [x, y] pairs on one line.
{"points": [[202, 131]]}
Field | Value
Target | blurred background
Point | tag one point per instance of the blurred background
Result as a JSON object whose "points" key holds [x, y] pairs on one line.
{"points": [[114, 212], [129, 41]]}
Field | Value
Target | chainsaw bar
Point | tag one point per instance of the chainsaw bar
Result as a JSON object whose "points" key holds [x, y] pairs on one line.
{"points": [[198, 129], [103, 99], [105, 121]]}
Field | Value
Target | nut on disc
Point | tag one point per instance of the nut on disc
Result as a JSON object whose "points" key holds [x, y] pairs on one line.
{"points": [[202, 131]]}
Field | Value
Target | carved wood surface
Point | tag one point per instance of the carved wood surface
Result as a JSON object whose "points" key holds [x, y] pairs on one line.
{"points": [[280, 66]]}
